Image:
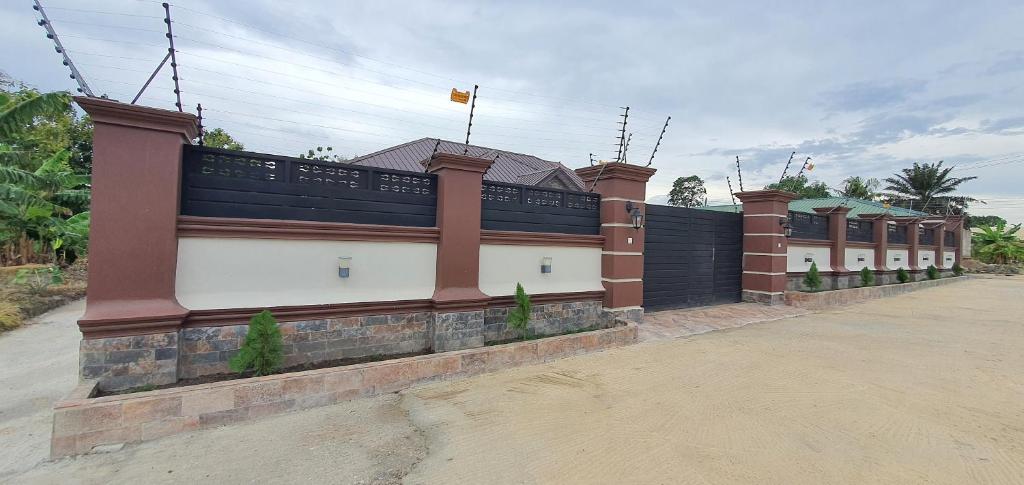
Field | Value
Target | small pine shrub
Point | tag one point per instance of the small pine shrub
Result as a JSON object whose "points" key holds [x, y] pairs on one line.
{"points": [[263, 350], [867, 277], [957, 269], [519, 317], [902, 275], [813, 280], [933, 272]]}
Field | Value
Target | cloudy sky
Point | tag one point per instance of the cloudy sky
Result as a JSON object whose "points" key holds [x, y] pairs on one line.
{"points": [[865, 88]]}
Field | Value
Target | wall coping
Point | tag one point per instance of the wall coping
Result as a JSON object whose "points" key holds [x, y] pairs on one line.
{"points": [[117, 113], [616, 170], [82, 423], [227, 227], [765, 195]]}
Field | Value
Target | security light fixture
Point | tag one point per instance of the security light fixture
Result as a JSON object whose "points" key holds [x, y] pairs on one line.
{"points": [[787, 228], [545, 265], [635, 215], [344, 267]]}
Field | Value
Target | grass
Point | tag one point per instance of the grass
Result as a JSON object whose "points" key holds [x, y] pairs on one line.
{"points": [[538, 336], [18, 304]]}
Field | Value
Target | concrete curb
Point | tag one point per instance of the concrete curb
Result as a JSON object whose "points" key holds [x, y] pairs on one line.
{"points": [[826, 299], [82, 424]]}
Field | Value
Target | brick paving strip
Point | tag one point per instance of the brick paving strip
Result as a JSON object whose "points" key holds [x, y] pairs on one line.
{"points": [[671, 324], [82, 424]]}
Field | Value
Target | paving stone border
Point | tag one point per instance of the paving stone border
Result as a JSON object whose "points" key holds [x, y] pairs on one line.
{"points": [[82, 423], [825, 299]]}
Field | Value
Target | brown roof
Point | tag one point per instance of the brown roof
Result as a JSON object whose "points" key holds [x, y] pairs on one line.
{"points": [[510, 167]]}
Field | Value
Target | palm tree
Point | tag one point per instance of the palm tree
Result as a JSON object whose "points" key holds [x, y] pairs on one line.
{"points": [[928, 187], [17, 113]]}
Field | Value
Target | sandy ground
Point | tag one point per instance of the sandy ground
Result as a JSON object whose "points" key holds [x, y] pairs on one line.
{"points": [[922, 388], [38, 366]]}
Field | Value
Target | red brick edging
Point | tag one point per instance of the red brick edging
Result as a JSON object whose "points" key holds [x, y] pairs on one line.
{"points": [[81, 423], [824, 299]]}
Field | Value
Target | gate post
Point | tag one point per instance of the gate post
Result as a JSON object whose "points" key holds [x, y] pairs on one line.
{"points": [[131, 315], [764, 245], [837, 236], [622, 259]]}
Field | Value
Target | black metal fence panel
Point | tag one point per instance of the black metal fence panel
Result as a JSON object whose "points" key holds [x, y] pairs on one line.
{"points": [[925, 237], [860, 231], [513, 207], [897, 234], [808, 226], [950, 239], [230, 183], [692, 257]]}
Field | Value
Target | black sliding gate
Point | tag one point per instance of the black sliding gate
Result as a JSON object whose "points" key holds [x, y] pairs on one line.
{"points": [[692, 257]]}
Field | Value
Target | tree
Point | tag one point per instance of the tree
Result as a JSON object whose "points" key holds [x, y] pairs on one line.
{"points": [[801, 187], [984, 221], [928, 187], [859, 188], [867, 277], [813, 279], [519, 316], [687, 192], [218, 138], [263, 350], [323, 155], [998, 244]]}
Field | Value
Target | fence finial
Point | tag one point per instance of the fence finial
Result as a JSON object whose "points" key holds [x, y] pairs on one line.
{"points": [[656, 145], [44, 22], [170, 50]]}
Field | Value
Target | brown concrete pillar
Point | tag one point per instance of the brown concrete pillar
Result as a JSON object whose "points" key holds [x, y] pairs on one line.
{"points": [[939, 228], [836, 235], [880, 228], [131, 321], [133, 246], [913, 240], [956, 225], [764, 245], [622, 259], [458, 301]]}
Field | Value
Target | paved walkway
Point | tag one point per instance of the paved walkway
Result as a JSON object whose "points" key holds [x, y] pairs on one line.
{"points": [[694, 321], [38, 366]]}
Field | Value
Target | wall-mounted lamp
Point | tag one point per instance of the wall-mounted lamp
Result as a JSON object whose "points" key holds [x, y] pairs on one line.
{"points": [[787, 228], [545, 265], [635, 215], [344, 267]]}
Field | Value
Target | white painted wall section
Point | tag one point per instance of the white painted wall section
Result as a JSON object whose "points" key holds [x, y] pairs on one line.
{"points": [[897, 258], [858, 258], [572, 269], [948, 259], [797, 258], [252, 273], [926, 258]]}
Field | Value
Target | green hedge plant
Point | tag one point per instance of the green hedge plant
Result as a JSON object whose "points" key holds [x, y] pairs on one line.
{"points": [[933, 272], [867, 277], [812, 281], [263, 350], [902, 276], [957, 269]]}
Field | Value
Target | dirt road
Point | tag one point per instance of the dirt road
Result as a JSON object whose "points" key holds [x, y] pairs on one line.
{"points": [[922, 388]]}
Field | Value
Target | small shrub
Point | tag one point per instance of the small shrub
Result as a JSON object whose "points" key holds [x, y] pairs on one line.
{"points": [[867, 277], [37, 280], [263, 350], [10, 316], [813, 280], [902, 275], [957, 269], [519, 317], [933, 272]]}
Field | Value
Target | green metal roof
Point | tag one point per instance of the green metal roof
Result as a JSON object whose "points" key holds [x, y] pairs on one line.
{"points": [[857, 207]]}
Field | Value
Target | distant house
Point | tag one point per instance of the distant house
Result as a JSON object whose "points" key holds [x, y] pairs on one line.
{"points": [[509, 167], [857, 207]]}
